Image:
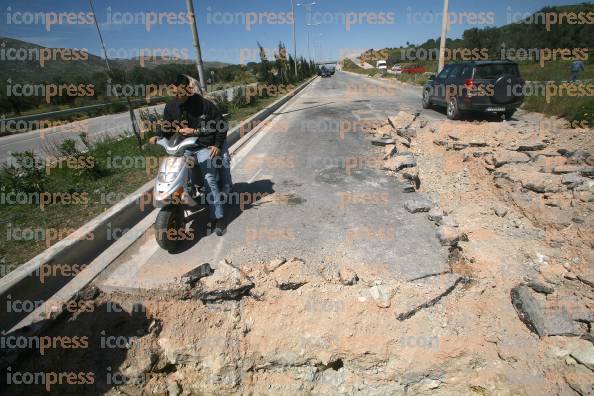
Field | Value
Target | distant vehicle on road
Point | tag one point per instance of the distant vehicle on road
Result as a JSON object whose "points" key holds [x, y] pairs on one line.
{"points": [[414, 69], [397, 69], [487, 86], [325, 72], [381, 65]]}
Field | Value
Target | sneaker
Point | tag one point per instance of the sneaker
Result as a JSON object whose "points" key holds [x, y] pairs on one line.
{"points": [[220, 227]]}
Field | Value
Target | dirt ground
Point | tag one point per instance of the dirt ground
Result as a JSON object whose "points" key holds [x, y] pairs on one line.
{"points": [[513, 316]]}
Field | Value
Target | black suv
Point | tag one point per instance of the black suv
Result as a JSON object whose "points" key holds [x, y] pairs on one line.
{"points": [[488, 86]]}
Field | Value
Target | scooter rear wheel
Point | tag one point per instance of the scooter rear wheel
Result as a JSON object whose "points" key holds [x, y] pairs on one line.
{"points": [[169, 218]]}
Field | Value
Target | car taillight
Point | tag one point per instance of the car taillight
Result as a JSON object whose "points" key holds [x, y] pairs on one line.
{"points": [[471, 88]]}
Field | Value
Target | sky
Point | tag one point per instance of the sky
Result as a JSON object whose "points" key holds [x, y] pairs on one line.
{"points": [[229, 30]]}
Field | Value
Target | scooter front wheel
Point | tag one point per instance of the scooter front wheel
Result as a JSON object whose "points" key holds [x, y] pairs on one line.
{"points": [[168, 225]]}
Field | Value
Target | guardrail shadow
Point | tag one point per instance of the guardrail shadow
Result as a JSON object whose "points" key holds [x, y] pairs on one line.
{"points": [[101, 338]]}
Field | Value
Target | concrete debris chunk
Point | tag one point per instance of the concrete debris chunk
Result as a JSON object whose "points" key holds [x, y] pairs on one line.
{"points": [[587, 172], [454, 136], [500, 210], [583, 353], [571, 178], [540, 182], [418, 205], [540, 287], [292, 275], [459, 146], [399, 162], [543, 319], [447, 221], [383, 141], [401, 120], [561, 169], [347, 276], [503, 157], [382, 295], [412, 174], [448, 236], [531, 145], [407, 133], [579, 156], [477, 143], [435, 214], [389, 151], [227, 283]]}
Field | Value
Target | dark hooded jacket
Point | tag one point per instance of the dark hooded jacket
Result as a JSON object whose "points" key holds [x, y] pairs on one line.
{"points": [[199, 114]]}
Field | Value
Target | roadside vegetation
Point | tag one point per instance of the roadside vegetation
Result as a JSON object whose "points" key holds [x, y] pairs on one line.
{"points": [[24, 228], [497, 42]]}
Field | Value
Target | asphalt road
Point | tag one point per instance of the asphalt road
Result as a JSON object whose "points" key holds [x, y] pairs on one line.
{"points": [[39, 141], [299, 159]]}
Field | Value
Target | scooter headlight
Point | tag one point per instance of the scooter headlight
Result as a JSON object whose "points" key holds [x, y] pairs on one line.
{"points": [[167, 177]]}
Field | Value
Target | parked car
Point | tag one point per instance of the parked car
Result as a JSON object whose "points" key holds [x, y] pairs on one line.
{"points": [[487, 86], [414, 69], [397, 69], [381, 65]]}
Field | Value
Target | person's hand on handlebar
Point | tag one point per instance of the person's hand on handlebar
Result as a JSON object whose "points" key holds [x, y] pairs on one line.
{"points": [[153, 139], [186, 131], [214, 151]]}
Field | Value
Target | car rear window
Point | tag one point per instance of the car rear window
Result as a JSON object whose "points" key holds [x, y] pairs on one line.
{"points": [[495, 70]]}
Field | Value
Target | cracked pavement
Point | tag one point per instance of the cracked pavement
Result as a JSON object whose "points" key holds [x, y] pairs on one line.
{"points": [[328, 200]]}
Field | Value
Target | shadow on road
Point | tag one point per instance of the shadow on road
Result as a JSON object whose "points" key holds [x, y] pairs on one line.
{"points": [[244, 196], [474, 115]]}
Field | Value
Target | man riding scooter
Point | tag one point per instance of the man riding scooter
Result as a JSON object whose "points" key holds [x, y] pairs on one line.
{"points": [[193, 115]]}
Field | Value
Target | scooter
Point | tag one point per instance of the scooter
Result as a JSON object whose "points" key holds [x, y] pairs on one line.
{"points": [[179, 188]]}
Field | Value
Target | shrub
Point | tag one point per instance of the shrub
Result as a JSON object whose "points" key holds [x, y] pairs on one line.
{"points": [[25, 173]]}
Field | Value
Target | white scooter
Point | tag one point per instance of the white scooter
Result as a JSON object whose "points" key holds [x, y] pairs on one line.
{"points": [[179, 187]]}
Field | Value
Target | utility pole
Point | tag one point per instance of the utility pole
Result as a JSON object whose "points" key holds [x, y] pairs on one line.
{"points": [[308, 8], [294, 39], [135, 128], [308, 25], [199, 64], [444, 33], [315, 57], [308, 53]]}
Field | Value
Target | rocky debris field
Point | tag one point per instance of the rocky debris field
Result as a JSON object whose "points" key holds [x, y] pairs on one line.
{"points": [[516, 201], [512, 315]]}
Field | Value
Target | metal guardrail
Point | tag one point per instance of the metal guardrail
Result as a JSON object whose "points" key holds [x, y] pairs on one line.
{"points": [[66, 112], [229, 93]]}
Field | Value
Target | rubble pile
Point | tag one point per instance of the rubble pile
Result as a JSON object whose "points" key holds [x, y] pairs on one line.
{"points": [[518, 201]]}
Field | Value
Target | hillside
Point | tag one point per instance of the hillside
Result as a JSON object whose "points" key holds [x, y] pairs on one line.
{"points": [[515, 35], [30, 69]]}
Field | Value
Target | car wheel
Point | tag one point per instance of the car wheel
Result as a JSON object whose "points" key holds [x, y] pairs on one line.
{"points": [[453, 111], [509, 114], [426, 100]]}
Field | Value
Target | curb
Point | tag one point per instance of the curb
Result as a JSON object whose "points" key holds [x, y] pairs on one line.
{"points": [[31, 283]]}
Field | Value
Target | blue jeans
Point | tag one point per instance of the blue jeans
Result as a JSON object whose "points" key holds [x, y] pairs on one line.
{"points": [[209, 168]]}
